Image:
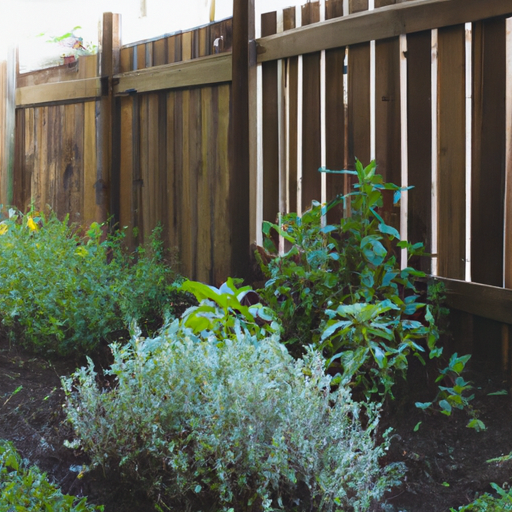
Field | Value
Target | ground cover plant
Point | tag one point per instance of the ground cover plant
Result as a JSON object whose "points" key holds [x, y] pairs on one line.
{"points": [[230, 423], [62, 292], [25, 488]]}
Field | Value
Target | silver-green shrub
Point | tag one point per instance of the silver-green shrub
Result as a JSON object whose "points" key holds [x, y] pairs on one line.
{"points": [[236, 423]]}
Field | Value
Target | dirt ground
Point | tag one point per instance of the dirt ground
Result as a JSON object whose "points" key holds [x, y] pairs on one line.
{"points": [[446, 461]]}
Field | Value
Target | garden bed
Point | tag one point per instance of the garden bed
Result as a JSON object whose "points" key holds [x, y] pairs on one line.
{"points": [[446, 461]]}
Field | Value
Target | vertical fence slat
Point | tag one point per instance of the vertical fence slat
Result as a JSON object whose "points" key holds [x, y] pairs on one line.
{"points": [[420, 141], [358, 96], [204, 183], [387, 105], [204, 170], [311, 146], [451, 147], [270, 127], [335, 113], [291, 85], [488, 158], [243, 59], [224, 168]]}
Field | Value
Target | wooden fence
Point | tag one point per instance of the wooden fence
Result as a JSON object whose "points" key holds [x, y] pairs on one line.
{"points": [[213, 130]]}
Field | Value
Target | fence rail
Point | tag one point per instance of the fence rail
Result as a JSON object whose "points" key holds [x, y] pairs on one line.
{"points": [[213, 130]]}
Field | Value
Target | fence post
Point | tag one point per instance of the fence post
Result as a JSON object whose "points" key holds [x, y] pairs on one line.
{"points": [[105, 114], [244, 61]]}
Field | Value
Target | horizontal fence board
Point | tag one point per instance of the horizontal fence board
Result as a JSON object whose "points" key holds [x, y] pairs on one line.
{"points": [[73, 90], [482, 300], [382, 23], [203, 71]]}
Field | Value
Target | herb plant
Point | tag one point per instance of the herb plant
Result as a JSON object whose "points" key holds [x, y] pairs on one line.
{"points": [[229, 424]]}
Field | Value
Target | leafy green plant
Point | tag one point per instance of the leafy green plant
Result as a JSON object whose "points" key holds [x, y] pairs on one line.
{"points": [[341, 288], [230, 423], [455, 396], [490, 503], [27, 489], [221, 314], [61, 295]]}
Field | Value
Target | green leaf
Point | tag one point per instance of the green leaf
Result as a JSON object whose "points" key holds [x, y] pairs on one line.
{"points": [[417, 426], [476, 424], [423, 405], [446, 407], [380, 357], [498, 393], [389, 230], [331, 329]]}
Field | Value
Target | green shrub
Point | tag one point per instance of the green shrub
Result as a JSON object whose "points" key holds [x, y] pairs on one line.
{"points": [[341, 288], [27, 489], [230, 423], [59, 292], [489, 503], [221, 314]]}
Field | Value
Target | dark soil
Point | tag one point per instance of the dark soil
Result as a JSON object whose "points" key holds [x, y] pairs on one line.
{"points": [[446, 461]]}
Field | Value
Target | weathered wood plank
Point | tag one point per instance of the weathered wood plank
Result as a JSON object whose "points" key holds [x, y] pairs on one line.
{"points": [[89, 172], [311, 145], [172, 192], [126, 62], [205, 168], [205, 181], [451, 158], [419, 127], [486, 301], [239, 196], [270, 127], [193, 170], [488, 157], [335, 119], [185, 213], [224, 169], [206, 70], [403, 18], [105, 121], [73, 90], [387, 108], [358, 104], [292, 107]]}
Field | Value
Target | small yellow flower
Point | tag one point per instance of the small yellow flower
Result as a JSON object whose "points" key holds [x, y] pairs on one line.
{"points": [[31, 224], [3, 229]]}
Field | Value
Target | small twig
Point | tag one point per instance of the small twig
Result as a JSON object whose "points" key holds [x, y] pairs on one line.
{"points": [[17, 390]]}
